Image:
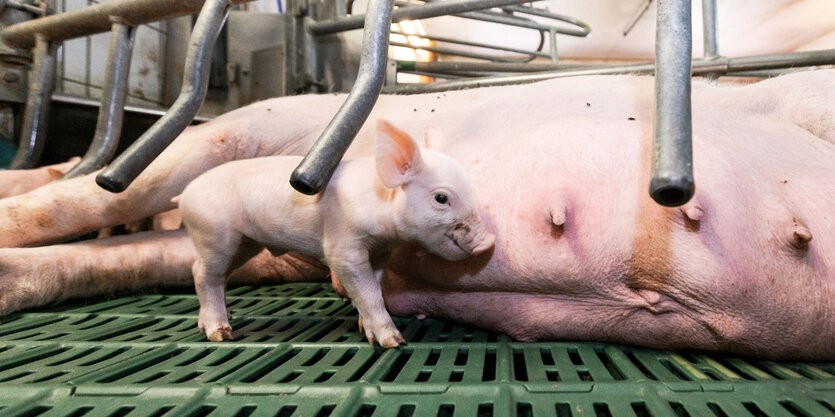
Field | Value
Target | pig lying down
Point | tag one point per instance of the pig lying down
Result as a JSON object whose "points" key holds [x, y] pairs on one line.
{"points": [[234, 210], [561, 171], [18, 181]]}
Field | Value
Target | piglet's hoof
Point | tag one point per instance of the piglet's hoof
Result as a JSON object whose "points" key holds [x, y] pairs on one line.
{"points": [[220, 334], [391, 340], [386, 335]]}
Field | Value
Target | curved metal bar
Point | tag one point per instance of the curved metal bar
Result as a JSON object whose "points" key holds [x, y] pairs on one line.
{"points": [[118, 176], [672, 182], [97, 18], [409, 13], [111, 114], [519, 21], [448, 51], [531, 55], [36, 112], [317, 167], [585, 29]]}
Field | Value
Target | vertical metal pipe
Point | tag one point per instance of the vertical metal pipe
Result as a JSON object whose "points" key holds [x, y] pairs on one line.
{"points": [[553, 40], [36, 112], [109, 124], [672, 155], [711, 47], [124, 169], [316, 169]]}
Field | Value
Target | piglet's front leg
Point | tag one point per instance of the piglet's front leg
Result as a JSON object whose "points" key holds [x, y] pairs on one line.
{"points": [[363, 287]]}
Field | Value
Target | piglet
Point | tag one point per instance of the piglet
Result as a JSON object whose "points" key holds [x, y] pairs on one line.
{"points": [[402, 194]]}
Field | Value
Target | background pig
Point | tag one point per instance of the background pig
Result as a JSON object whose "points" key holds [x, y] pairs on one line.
{"points": [[561, 170], [19, 181], [234, 210]]}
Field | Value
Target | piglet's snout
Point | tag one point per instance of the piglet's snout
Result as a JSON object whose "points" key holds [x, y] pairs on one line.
{"points": [[474, 238], [484, 242]]}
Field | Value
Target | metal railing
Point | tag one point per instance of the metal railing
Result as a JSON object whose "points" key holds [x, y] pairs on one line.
{"points": [[119, 17]]}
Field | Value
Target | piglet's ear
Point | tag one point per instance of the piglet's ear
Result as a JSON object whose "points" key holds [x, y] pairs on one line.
{"points": [[397, 155]]}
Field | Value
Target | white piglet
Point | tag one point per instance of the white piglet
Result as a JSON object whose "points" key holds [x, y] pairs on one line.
{"points": [[370, 205]]}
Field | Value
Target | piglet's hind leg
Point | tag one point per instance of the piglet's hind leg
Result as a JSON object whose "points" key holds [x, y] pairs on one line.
{"points": [[210, 287]]}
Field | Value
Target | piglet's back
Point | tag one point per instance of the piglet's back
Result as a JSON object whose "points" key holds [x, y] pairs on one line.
{"points": [[255, 198]]}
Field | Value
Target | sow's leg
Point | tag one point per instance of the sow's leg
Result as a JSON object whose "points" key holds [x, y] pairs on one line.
{"points": [[32, 277], [72, 207]]}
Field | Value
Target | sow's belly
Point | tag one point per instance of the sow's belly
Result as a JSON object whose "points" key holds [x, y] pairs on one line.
{"points": [[583, 253]]}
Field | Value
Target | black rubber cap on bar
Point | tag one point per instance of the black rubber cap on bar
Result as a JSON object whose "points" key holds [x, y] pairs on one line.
{"points": [[306, 184], [110, 184], [672, 191]]}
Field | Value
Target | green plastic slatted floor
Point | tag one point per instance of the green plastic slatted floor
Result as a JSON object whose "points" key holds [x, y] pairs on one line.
{"points": [[298, 353]]}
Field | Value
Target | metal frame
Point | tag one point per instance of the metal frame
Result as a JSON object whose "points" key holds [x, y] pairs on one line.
{"points": [[121, 15], [36, 112], [109, 124], [125, 168]]}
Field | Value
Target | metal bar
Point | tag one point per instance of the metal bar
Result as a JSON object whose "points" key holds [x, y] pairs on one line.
{"points": [[711, 46], [410, 13], [456, 52], [35, 10], [97, 19], [118, 176], [552, 38], [515, 79], [457, 67], [777, 61], [36, 112], [431, 74], [637, 16], [449, 51], [517, 21], [143, 111], [584, 31], [112, 110], [317, 167], [672, 181], [540, 72], [469, 43]]}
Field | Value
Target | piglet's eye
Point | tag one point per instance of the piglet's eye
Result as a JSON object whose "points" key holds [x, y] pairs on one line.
{"points": [[441, 198]]}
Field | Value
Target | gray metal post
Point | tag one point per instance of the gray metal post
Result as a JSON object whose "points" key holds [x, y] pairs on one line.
{"points": [[711, 46], [672, 181], [109, 124], [118, 176], [317, 167], [36, 112], [552, 38]]}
